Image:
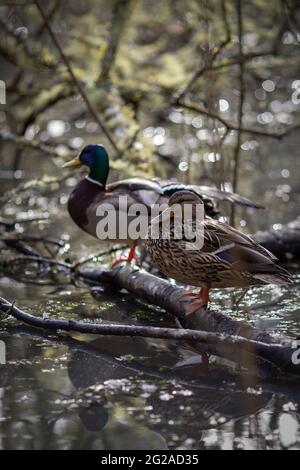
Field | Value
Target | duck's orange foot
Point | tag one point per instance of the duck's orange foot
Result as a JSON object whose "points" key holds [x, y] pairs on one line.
{"points": [[131, 257], [195, 300]]}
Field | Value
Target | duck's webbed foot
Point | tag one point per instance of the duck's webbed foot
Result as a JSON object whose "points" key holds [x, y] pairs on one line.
{"points": [[131, 256], [195, 300]]}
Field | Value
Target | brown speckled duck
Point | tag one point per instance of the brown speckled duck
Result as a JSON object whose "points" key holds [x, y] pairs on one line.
{"points": [[228, 258], [93, 191]]}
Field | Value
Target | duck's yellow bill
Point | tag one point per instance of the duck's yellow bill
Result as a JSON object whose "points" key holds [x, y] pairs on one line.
{"points": [[73, 163]]}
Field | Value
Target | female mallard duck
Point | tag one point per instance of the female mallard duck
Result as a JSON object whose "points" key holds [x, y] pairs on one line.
{"points": [[93, 191], [228, 258]]}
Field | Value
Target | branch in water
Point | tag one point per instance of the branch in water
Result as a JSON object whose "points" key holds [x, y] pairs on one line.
{"points": [[232, 342]]}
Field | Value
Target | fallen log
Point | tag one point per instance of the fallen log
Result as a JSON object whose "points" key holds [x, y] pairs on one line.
{"points": [[154, 290], [284, 243]]}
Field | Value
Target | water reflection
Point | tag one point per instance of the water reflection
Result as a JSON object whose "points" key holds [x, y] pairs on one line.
{"points": [[58, 392], [115, 393], [110, 402]]}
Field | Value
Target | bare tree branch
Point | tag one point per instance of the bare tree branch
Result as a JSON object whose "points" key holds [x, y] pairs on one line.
{"points": [[237, 150], [75, 79], [234, 127], [209, 63], [23, 143]]}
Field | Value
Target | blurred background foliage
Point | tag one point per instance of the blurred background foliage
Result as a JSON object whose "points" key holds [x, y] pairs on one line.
{"points": [[204, 91]]}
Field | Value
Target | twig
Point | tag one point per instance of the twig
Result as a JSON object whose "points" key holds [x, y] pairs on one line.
{"points": [[64, 93], [153, 290], [75, 79], [96, 256], [54, 96], [32, 53], [23, 143], [50, 15], [234, 127], [34, 239], [10, 224], [37, 259]]}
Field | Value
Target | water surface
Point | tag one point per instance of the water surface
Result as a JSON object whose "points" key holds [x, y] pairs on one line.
{"points": [[82, 392]]}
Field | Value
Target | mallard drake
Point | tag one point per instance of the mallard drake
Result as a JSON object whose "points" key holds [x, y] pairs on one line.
{"points": [[227, 258], [93, 191]]}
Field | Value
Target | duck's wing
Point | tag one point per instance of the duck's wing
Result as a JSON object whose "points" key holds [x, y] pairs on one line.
{"points": [[138, 190], [218, 234], [241, 252], [136, 184]]}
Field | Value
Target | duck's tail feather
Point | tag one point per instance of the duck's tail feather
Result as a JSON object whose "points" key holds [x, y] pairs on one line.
{"points": [[220, 195], [279, 277], [170, 188]]}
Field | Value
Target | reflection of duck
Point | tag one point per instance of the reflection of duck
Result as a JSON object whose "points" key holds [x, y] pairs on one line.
{"points": [[93, 191], [228, 258], [101, 380], [185, 413], [203, 406], [94, 417], [153, 396]]}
